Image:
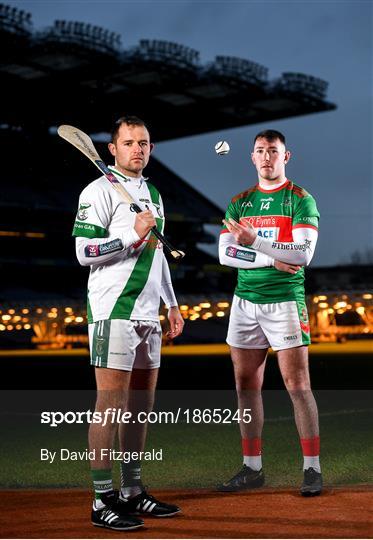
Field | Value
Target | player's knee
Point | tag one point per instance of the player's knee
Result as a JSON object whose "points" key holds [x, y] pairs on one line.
{"points": [[249, 383], [297, 388]]}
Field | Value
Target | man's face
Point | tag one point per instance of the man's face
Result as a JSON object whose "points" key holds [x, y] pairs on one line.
{"points": [[270, 158], [131, 149]]}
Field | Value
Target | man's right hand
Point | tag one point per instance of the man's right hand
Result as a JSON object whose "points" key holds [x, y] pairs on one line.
{"points": [[144, 222], [284, 267]]}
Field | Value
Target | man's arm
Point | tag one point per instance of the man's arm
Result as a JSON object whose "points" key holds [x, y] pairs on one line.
{"points": [[232, 254], [236, 256], [94, 244], [299, 252], [100, 250], [175, 318]]}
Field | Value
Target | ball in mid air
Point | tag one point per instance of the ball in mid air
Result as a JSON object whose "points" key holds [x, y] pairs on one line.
{"points": [[222, 148]]}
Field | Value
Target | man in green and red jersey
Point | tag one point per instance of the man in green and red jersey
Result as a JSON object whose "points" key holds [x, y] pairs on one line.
{"points": [[270, 234]]}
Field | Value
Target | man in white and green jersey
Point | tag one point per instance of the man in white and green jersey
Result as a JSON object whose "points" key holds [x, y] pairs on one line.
{"points": [[269, 234], [128, 276]]}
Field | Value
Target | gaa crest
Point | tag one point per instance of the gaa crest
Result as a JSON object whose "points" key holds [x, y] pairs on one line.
{"points": [[100, 346], [83, 211], [158, 208]]}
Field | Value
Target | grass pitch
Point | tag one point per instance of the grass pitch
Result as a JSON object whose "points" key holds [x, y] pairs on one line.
{"points": [[194, 455]]}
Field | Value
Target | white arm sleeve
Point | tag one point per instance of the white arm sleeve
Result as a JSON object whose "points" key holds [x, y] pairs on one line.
{"points": [[236, 256], [100, 250], [298, 252], [167, 291]]}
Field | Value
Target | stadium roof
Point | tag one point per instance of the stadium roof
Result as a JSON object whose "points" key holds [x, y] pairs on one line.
{"points": [[84, 70]]}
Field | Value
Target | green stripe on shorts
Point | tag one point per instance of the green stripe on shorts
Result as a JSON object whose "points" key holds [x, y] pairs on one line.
{"points": [[304, 321], [100, 343]]}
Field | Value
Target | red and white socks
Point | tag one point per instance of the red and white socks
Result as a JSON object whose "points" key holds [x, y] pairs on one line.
{"points": [[252, 453], [311, 453]]}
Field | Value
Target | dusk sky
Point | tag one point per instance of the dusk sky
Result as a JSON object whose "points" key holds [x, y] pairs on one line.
{"points": [[332, 151]]}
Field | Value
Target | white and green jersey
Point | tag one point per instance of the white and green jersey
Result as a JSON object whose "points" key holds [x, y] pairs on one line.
{"points": [[128, 275]]}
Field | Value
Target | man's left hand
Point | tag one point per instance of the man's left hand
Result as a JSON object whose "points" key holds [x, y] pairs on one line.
{"points": [[243, 234], [176, 322]]}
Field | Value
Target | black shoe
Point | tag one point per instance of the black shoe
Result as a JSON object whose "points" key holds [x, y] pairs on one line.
{"points": [[312, 483], [114, 514], [246, 478], [150, 506]]}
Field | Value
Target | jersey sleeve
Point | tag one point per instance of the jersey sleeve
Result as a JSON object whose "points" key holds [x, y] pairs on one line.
{"points": [[94, 243], [237, 256], [306, 214], [93, 216], [167, 291]]}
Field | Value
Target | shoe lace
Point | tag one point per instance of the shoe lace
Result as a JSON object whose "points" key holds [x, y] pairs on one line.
{"points": [[241, 474], [310, 475], [115, 504], [148, 497]]}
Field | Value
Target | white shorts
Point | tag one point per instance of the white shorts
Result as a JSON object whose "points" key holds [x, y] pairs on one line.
{"points": [[123, 344], [281, 325]]}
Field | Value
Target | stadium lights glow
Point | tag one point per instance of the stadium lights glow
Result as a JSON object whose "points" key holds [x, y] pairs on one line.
{"points": [[339, 305], [367, 296], [23, 233], [323, 305]]}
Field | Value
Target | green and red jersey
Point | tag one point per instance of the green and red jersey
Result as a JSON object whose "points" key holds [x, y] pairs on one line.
{"points": [[274, 214]]}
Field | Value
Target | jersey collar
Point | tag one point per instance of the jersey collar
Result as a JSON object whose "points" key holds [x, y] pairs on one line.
{"points": [[284, 185], [136, 181]]}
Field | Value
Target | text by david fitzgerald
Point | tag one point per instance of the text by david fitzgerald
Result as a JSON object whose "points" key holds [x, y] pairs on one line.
{"points": [[65, 454]]}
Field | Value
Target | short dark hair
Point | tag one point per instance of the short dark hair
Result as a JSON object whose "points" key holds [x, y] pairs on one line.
{"points": [[270, 135], [128, 119]]}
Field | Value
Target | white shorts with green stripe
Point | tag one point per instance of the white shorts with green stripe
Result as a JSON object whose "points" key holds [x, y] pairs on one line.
{"points": [[123, 344], [280, 325]]}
